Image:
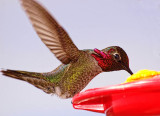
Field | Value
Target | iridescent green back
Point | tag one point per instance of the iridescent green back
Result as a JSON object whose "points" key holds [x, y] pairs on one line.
{"points": [[73, 77]]}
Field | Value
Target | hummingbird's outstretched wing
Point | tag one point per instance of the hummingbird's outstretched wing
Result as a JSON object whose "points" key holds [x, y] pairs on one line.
{"points": [[50, 32]]}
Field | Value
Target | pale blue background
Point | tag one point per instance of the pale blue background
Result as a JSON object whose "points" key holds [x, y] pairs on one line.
{"points": [[132, 24]]}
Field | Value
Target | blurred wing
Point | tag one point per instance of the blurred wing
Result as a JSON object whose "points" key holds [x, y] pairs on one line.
{"points": [[50, 32]]}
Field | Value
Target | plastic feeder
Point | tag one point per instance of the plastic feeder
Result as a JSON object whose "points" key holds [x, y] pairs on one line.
{"points": [[138, 98]]}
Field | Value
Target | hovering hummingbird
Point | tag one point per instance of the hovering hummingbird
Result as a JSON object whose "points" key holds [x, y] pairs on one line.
{"points": [[78, 67]]}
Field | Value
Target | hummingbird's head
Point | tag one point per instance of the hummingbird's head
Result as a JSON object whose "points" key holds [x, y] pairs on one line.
{"points": [[112, 58]]}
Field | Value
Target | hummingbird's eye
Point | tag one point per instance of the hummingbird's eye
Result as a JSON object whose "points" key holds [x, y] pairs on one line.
{"points": [[117, 57]]}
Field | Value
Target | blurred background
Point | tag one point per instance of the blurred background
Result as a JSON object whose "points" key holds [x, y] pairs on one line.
{"points": [[133, 25]]}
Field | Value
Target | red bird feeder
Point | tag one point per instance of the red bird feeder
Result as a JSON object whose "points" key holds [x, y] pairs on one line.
{"points": [[134, 98]]}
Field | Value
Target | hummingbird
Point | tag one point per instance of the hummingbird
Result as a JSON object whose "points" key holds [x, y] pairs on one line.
{"points": [[78, 67]]}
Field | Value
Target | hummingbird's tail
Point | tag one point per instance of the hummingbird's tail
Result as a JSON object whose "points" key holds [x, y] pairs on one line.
{"points": [[36, 79]]}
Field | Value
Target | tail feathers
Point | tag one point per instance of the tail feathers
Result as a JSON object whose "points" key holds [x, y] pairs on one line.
{"points": [[36, 79]]}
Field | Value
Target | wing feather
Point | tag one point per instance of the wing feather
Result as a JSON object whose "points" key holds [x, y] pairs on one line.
{"points": [[50, 32]]}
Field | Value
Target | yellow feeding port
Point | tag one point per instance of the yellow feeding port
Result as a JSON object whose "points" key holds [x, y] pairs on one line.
{"points": [[142, 74]]}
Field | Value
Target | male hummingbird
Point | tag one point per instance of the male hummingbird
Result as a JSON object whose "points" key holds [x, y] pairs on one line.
{"points": [[78, 67]]}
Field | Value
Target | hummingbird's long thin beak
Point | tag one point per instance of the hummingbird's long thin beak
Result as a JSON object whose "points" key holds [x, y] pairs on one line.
{"points": [[129, 71]]}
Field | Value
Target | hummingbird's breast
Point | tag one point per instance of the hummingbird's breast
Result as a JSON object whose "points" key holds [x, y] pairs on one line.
{"points": [[75, 76]]}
